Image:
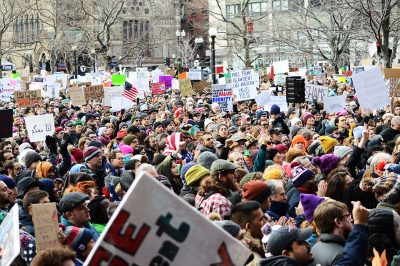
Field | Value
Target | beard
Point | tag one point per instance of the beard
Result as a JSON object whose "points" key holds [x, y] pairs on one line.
{"points": [[232, 185]]}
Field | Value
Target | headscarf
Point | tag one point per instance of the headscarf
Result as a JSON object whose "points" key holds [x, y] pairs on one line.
{"points": [[299, 139], [42, 169]]}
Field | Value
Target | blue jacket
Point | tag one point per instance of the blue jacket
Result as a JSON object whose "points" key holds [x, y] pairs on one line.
{"points": [[293, 195], [355, 249], [95, 235], [259, 161]]}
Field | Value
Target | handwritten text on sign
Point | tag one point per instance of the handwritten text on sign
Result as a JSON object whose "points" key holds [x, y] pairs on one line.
{"points": [[315, 92], [222, 94], [167, 232], [28, 98], [94, 92], [335, 103], [39, 126], [244, 86], [45, 221]]}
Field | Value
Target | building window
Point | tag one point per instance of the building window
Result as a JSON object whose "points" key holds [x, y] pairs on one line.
{"points": [[232, 11], [280, 5]]}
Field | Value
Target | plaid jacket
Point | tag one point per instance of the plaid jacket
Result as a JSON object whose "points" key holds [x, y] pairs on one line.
{"points": [[216, 203]]}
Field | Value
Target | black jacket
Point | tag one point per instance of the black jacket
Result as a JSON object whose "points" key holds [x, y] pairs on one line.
{"points": [[278, 261]]}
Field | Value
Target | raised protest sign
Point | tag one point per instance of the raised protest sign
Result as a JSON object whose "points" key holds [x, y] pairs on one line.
{"points": [[194, 74], [45, 222], [155, 75], [263, 98], [158, 88], [371, 89], [27, 98], [244, 87], [9, 237], [392, 77], [52, 90], [185, 85], [77, 96], [281, 67], [6, 118], [6, 89], [167, 232], [110, 93], [201, 86], [118, 79], [222, 94], [278, 100], [142, 79], [39, 126], [335, 103], [94, 92], [119, 103], [315, 92], [167, 80]]}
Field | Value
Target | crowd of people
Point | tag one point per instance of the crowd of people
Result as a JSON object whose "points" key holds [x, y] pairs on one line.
{"points": [[302, 187]]}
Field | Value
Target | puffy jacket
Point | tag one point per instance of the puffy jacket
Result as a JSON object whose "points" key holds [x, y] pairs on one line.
{"points": [[328, 250], [381, 222]]}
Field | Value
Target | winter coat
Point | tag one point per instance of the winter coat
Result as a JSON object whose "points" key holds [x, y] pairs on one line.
{"points": [[278, 261], [355, 249], [293, 196], [188, 193], [259, 161], [383, 220], [278, 209], [389, 134], [328, 250], [25, 221]]}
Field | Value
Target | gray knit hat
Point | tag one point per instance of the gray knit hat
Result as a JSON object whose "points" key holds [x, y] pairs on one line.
{"points": [[342, 151], [206, 159], [31, 157]]}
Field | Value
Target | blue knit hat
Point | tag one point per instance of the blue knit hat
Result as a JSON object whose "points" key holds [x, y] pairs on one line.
{"points": [[275, 109], [185, 168], [77, 238], [9, 181]]}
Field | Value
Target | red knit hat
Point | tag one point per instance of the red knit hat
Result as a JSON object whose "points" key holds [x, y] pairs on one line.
{"points": [[255, 190], [121, 134], [77, 154]]}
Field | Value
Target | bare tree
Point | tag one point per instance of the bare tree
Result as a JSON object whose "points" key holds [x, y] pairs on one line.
{"points": [[381, 20], [243, 41]]}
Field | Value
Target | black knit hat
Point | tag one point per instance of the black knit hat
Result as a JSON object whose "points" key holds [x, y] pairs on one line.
{"points": [[31, 157]]}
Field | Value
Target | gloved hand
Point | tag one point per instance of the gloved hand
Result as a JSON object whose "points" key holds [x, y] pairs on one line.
{"points": [[51, 144]]}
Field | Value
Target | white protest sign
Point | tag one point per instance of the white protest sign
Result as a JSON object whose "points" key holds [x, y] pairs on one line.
{"points": [[222, 94], [278, 100], [175, 84], [281, 67], [155, 74], [194, 74], [119, 103], [280, 79], [52, 90], [244, 87], [263, 98], [167, 232], [112, 92], [9, 237], [6, 89], [142, 81], [39, 126], [371, 89], [335, 103], [315, 92]]}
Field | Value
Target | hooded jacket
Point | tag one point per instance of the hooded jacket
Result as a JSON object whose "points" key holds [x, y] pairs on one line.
{"points": [[164, 168]]}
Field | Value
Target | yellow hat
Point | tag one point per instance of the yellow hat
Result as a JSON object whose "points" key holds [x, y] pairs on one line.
{"points": [[327, 143], [270, 174]]}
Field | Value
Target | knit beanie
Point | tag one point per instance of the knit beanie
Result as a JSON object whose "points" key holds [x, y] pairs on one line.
{"points": [[247, 178], [293, 131], [256, 190], [307, 116], [90, 152], [77, 238], [381, 186], [282, 148], [129, 138], [157, 124], [327, 143], [123, 124], [230, 227], [300, 175], [342, 151], [125, 149], [178, 112], [31, 157], [272, 174], [393, 195], [271, 154], [275, 110], [310, 203], [326, 163], [185, 168], [208, 122], [77, 154], [24, 146], [195, 173], [206, 159], [9, 181], [95, 143]]}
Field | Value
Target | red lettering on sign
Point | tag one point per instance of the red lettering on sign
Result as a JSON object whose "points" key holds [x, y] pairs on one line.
{"points": [[224, 255]]}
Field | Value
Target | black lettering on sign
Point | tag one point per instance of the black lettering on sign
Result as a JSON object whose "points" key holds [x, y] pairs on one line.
{"points": [[179, 234], [158, 261], [123, 239], [169, 250]]}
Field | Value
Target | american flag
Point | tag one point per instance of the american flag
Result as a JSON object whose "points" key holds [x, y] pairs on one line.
{"points": [[130, 92]]}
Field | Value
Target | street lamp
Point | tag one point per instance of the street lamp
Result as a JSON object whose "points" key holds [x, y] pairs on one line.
{"points": [[94, 59], [180, 35], [74, 49], [213, 33]]}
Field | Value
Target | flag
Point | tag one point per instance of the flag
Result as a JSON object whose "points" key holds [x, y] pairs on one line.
{"points": [[130, 92]]}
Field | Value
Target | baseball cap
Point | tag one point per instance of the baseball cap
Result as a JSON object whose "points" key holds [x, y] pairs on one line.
{"points": [[280, 239]]}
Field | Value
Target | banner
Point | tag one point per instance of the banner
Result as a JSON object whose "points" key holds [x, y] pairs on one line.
{"points": [[194, 74], [222, 94], [158, 88], [263, 98], [94, 92], [27, 98], [77, 96], [315, 92], [244, 87], [371, 89], [278, 100], [335, 103], [39, 126], [45, 222], [168, 231], [9, 237], [185, 85]]}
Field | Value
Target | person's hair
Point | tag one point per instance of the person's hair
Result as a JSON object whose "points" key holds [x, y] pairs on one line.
{"points": [[377, 158], [203, 137], [53, 257], [395, 120], [144, 167], [273, 186], [33, 197], [4, 143], [113, 154], [212, 183], [242, 212], [81, 142], [337, 183], [98, 211], [234, 156], [9, 165], [326, 213]]}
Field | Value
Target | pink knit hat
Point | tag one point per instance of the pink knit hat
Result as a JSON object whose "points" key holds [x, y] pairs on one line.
{"points": [[125, 149]]}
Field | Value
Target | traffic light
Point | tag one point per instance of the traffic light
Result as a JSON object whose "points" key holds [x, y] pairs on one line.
{"points": [[295, 90], [167, 61]]}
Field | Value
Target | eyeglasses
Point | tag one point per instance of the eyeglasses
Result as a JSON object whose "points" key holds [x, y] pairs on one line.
{"points": [[348, 215]]}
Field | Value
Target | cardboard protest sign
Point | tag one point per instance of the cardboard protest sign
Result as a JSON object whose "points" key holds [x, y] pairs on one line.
{"points": [[7, 88], [371, 89], [244, 87], [392, 77], [281, 67], [118, 79], [45, 222], [27, 98], [222, 94], [9, 237], [112, 92], [6, 118], [167, 232], [158, 88], [94, 92], [194, 74], [278, 100], [185, 85], [77, 96], [263, 98], [167, 80], [315, 92], [39, 126], [201, 86], [335, 103]]}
